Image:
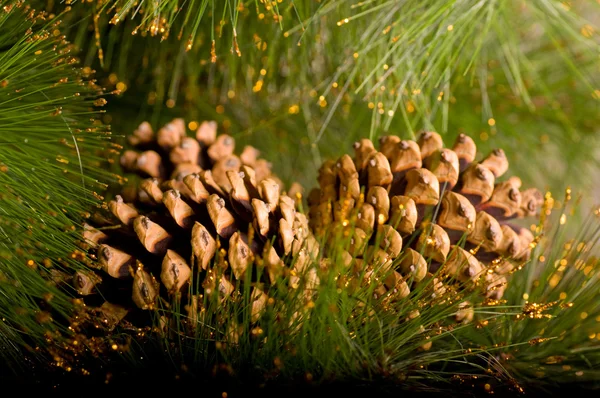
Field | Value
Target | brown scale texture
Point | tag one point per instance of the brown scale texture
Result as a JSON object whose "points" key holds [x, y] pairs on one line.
{"points": [[419, 210], [199, 212], [400, 214]]}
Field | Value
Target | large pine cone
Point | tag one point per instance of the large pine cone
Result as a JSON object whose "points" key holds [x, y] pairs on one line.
{"points": [[199, 211], [417, 209], [410, 211]]}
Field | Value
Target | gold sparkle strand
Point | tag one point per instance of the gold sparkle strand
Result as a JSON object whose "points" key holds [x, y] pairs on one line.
{"points": [[236, 47], [97, 37]]}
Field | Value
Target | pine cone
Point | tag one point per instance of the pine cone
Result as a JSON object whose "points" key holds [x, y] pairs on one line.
{"points": [[406, 213], [200, 211], [411, 208]]}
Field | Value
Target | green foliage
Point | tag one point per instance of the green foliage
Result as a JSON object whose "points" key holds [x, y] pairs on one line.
{"points": [[540, 335], [557, 291], [519, 74], [48, 169], [339, 329]]}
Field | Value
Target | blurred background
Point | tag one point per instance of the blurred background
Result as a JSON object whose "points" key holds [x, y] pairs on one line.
{"points": [[302, 80]]}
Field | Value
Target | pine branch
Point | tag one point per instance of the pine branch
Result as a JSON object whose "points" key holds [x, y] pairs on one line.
{"points": [[515, 73], [412, 49], [557, 291], [481, 46], [51, 145]]}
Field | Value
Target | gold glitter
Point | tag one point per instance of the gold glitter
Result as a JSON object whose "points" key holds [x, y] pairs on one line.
{"points": [[562, 295], [213, 52], [554, 280], [538, 340], [587, 31], [535, 310]]}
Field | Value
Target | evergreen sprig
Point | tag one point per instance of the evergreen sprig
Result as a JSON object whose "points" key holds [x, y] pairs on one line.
{"points": [[516, 73], [557, 292], [50, 177], [488, 67]]}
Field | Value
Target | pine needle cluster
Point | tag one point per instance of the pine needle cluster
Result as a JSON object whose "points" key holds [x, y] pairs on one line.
{"points": [[314, 73], [49, 175], [557, 293]]}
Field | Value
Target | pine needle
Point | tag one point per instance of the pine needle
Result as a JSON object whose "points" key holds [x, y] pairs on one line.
{"points": [[50, 148]]}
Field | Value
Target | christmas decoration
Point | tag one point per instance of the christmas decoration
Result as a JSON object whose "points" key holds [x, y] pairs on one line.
{"points": [[204, 222], [412, 266]]}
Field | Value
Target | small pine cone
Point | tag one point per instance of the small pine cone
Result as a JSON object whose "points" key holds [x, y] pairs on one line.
{"points": [[432, 208], [198, 212]]}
